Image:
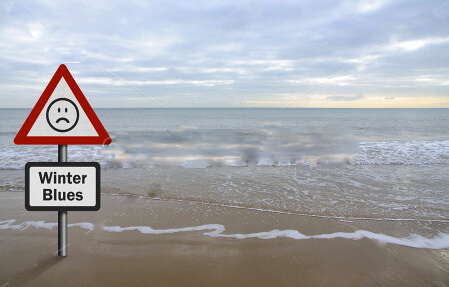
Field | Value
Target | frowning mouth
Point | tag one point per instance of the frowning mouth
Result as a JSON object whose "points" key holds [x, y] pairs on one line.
{"points": [[62, 110], [62, 119]]}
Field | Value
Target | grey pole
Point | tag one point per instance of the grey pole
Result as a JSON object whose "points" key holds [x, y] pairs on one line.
{"points": [[62, 215]]}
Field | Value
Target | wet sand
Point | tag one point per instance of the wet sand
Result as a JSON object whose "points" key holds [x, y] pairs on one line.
{"points": [[102, 257]]}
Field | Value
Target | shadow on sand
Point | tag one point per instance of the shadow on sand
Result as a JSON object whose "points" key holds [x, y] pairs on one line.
{"points": [[30, 273]]}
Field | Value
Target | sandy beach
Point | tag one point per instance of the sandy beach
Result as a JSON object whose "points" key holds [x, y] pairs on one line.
{"points": [[135, 241]]}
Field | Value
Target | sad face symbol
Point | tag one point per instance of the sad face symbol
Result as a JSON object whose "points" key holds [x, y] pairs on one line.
{"points": [[62, 115]]}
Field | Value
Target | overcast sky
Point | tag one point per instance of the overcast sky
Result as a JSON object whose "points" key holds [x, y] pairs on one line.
{"points": [[229, 53]]}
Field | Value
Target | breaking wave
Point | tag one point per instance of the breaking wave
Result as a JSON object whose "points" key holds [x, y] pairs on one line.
{"points": [[191, 153]]}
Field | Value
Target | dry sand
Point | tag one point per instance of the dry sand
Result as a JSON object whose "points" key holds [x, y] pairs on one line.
{"points": [[130, 258]]}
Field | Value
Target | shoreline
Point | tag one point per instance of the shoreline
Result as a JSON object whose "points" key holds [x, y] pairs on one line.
{"points": [[348, 194], [167, 243]]}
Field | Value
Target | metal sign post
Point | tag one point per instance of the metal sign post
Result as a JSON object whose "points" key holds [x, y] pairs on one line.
{"points": [[62, 116], [62, 214]]}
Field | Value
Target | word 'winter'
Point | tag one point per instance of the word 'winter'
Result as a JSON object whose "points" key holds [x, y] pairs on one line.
{"points": [[53, 177]]}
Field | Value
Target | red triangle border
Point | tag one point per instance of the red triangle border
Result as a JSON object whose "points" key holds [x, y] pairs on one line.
{"points": [[22, 137]]}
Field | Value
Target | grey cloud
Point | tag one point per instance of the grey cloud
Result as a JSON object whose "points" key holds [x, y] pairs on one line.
{"points": [[345, 98]]}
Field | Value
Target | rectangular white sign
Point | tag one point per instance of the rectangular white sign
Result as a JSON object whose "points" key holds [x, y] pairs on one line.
{"points": [[62, 186]]}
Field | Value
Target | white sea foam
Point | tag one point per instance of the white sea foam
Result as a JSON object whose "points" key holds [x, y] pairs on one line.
{"points": [[214, 229], [15, 157], [440, 241], [83, 225], [402, 152], [193, 154], [8, 225]]}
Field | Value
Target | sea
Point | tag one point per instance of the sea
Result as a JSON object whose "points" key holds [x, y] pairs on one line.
{"points": [[380, 164]]}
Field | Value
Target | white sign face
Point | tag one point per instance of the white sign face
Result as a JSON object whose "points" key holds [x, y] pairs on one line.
{"points": [[62, 186], [62, 116]]}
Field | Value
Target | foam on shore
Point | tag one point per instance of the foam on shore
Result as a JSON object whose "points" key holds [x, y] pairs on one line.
{"points": [[8, 224], [440, 241]]}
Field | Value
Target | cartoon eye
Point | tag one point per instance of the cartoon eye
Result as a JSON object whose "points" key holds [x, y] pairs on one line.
{"points": [[66, 110], [59, 110]]}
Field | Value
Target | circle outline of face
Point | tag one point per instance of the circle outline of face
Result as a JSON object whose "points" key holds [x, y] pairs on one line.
{"points": [[48, 118]]}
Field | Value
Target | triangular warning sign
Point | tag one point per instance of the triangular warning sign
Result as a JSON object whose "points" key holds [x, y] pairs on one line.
{"points": [[62, 116]]}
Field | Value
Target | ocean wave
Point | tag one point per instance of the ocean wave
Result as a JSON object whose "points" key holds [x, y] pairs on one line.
{"points": [[153, 151], [439, 241], [402, 153], [15, 156]]}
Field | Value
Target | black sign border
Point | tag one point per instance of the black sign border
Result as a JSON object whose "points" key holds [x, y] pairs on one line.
{"points": [[28, 207]]}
